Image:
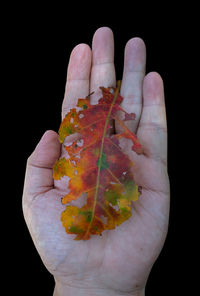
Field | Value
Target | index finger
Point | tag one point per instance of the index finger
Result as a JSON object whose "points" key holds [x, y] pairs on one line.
{"points": [[78, 74]]}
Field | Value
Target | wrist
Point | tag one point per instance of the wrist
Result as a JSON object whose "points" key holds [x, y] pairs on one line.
{"points": [[66, 290]]}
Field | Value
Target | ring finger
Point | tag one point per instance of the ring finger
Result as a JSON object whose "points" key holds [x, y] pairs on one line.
{"points": [[133, 75]]}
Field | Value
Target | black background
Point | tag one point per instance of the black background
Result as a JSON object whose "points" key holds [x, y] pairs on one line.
{"points": [[39, 49]]}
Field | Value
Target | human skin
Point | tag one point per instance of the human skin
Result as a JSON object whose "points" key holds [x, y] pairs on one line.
{"points": [[119, 261]]}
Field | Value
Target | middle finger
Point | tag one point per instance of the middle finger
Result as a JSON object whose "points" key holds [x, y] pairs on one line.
{"points": [[103, 69]]}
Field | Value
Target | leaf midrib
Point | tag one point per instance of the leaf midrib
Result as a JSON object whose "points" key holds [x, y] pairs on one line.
{"points": [[100, 156]]}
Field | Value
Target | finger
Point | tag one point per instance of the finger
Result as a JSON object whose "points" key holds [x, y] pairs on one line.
{"points": [[133, 75], [152, 130], [103, 70], [39, 178], [78, 74]]}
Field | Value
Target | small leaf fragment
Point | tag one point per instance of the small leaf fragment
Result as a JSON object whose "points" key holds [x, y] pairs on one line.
{"points": [[63, 167], [102, 162]]}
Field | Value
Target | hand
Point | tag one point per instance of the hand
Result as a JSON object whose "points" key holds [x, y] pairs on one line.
{"points": [[119, 261]]}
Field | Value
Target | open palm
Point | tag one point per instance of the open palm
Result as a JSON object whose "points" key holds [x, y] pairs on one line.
{"points": [[119, 261]]}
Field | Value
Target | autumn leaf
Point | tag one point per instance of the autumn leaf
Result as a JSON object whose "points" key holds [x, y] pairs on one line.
{"points": [[97, 167]]}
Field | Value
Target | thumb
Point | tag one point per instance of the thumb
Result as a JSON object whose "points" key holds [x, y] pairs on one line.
{"points": [[39, 177]]}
